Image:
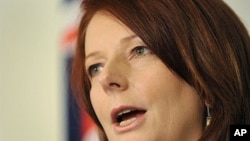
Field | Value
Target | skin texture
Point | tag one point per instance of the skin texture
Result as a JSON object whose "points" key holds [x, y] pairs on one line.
{"points": [[202, 42], [124, 72]]}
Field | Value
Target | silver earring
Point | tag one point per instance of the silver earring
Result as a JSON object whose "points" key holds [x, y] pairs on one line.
{"points": [[209, 117]]}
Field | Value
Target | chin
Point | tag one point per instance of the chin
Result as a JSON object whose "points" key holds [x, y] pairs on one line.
{"points": [[136, 136]]}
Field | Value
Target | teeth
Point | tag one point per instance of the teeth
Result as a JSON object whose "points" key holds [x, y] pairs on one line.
{"points": [[127, 122], [125, 112]]}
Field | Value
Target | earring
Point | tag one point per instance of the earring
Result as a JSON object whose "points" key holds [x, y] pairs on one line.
{"points": [[209, 117]]}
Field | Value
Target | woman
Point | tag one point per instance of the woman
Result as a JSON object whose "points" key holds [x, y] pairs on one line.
{"points": [[162, 69]]}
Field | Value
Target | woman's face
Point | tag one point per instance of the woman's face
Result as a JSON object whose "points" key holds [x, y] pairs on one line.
{"points": [[134, 95]]}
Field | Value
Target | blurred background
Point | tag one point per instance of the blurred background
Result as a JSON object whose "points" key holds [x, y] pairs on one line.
{"points": [[36, 39]]}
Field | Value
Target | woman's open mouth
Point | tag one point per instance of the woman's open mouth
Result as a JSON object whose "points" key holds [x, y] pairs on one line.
{"points": [[127, 118]]}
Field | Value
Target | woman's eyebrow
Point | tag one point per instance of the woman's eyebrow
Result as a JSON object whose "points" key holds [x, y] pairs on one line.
{"points": [[123, 41], [128, 39], [91, 55]]}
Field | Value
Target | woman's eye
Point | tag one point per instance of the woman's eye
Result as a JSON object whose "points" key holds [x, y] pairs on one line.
{"points": [[140, 51], [94, 69]]}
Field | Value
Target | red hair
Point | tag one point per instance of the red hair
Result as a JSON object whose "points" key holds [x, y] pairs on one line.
{"points": [[202, 41]]}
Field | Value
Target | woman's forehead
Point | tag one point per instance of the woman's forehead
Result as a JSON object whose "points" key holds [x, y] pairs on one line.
{"points": [[105, 30]]}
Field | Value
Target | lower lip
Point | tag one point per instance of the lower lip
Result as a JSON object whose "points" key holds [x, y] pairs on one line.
{"points": [[122, 129]]}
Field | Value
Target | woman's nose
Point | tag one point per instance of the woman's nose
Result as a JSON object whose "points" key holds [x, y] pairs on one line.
{"points": [[113, 77]]}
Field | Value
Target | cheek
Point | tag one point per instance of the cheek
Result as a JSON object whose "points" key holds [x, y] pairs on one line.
{"points": [[165, 89], [157, 83], [98, 102]]}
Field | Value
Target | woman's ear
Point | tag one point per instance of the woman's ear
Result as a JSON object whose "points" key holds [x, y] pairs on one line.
{"points": [[207, 104], [209, 101]]}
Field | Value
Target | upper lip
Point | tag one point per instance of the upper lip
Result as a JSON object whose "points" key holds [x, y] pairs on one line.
{"points": [[116, 111]]}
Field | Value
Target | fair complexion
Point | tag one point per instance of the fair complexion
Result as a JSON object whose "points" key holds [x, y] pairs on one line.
{"points": [[134, 95]]}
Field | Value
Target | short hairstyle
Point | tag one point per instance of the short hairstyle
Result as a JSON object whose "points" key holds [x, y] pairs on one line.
{"points": [[202, 41]]}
